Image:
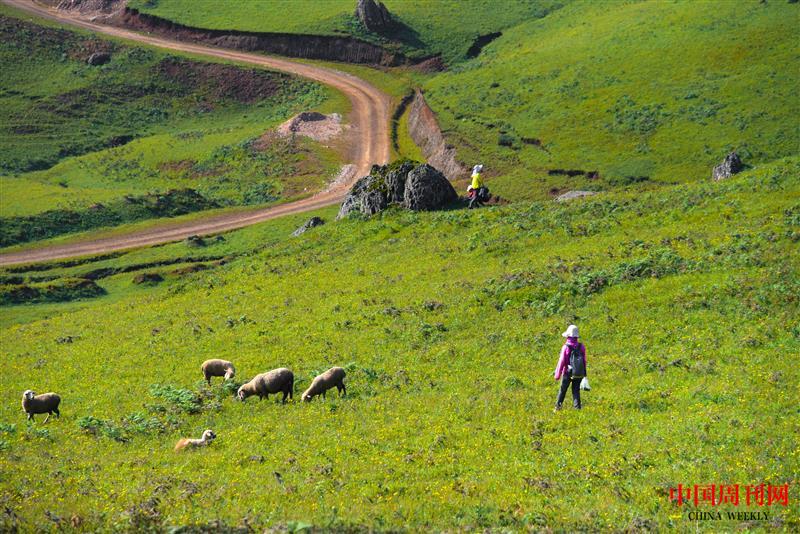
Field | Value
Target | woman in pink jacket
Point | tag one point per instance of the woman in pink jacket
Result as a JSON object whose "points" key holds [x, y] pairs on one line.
{"points": [[571, 367]]}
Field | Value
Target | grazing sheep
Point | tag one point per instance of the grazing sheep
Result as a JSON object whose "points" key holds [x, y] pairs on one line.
{"points": [[221, 368], [44, 403], [276, 381], [330, 378], [208, 437]]}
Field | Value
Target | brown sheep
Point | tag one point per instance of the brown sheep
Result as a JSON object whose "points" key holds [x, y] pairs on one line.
{"points": [[330, 378], [221, 368], [44, 403], [276, 381], [208, 437]]}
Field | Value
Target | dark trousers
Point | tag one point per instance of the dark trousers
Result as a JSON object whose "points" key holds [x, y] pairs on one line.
{"points": [[475, 201], [576, 390]]}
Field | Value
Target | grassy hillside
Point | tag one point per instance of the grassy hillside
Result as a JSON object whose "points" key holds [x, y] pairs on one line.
{"points": [[433, 27], [77, 136], [448, 324], [639, 91]]}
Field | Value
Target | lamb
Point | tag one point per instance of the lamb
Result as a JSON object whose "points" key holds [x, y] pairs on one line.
{"points": [[221, 368], [276, 381], [330, 378], [44, 403], [208, 437]]}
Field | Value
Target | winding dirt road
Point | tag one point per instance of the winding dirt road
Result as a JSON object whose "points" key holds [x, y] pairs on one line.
{"points": [[369, 118]]}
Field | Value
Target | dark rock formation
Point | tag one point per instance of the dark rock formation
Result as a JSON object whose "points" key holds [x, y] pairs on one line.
{"points": [[731, 165], [424, 130], [311, 223], [427, 189], [373, 15], [99, 58], [415, 187]]}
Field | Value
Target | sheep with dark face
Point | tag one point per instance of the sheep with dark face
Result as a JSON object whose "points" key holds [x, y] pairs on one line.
{"points": [[333, 377], [208, 437], [44, 403], [221, 368], [276, 381]]}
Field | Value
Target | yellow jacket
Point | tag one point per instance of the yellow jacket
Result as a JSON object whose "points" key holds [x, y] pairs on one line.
{"points": [[477, 182]]}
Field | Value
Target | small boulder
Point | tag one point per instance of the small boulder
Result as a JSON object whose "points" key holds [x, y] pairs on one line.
{"points": [[98, 58], [569, 195], [195, 241], [427, 189], [731, 165], [373, 15], [311, 223]]}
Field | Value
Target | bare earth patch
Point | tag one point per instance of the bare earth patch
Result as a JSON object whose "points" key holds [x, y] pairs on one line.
{"points": [[311, 124]]}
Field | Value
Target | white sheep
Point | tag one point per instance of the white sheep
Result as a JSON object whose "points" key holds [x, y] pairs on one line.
{"points": [[275, 381], [215, 367], [208, 437], [44, 403], [327, 380]]}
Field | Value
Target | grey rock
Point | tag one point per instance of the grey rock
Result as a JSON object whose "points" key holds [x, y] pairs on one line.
{"points": [[99, 58], [373, 15], [311, 223], [427, 189], [569, 195], [415, 187], [396, 182], [731, 165], [364, 196]]}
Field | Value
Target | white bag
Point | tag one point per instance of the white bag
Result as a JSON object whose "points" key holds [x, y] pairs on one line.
{"points": [[585, 384]]}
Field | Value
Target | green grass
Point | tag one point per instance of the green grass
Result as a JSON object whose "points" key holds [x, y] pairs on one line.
{"points": [[448, 324], [629, 89], [434, 27], [184, 124]]}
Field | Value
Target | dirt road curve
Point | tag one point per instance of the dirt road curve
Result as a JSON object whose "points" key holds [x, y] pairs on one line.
{"points": [[370, 144]]}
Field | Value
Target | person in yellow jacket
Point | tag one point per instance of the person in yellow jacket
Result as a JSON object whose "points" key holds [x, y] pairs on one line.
{"points": [[478, 192]]}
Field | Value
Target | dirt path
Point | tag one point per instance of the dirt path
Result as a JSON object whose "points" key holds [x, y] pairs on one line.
{"points": [[369, 118]]}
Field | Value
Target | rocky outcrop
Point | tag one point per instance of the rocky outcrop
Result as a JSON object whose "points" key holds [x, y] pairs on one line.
{"points": [[373, 15], [311, 223], [347, 49], [98, 58], [424, 130], [731, 165], [417, 187]]}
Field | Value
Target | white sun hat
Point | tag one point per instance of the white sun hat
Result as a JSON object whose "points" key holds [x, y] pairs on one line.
{"points": [[572, 331], [476, 169]]}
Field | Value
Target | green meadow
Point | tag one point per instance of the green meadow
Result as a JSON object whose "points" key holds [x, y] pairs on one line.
{"points": [[637, 91], [448, 323], [449, 326]]}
